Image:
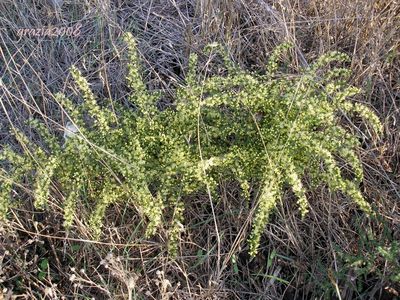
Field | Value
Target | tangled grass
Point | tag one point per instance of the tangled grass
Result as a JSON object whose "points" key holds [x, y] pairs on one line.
{"points": [[335, 251]]}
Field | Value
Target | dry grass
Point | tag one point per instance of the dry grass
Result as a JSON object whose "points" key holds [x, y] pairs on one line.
{"points": [[300, 259]]}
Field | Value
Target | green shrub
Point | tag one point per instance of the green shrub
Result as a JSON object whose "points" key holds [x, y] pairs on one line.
{"points": [[373, 254], [371, 260], [267, 129]]}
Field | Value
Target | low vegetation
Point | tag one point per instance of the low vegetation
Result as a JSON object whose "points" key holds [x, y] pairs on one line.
{"points": [[233, 177]]}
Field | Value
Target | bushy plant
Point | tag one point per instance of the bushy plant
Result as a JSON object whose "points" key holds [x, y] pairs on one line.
{"points": [[371, 260], [270, 129], [372, 255]]}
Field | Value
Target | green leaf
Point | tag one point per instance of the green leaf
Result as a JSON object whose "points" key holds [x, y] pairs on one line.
{"points": [[44, 264], [271, 258]]}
